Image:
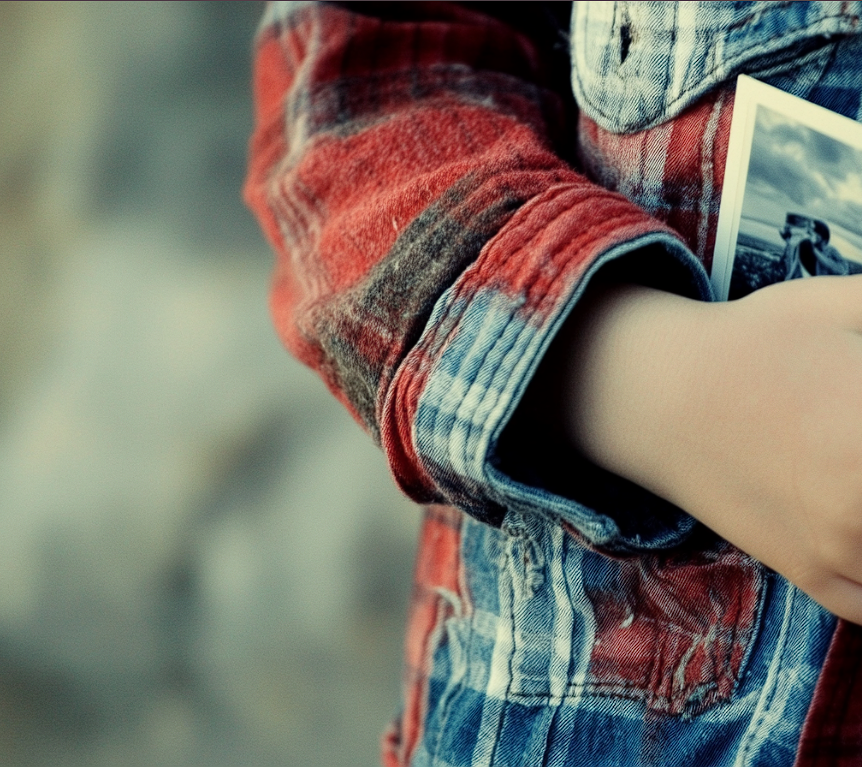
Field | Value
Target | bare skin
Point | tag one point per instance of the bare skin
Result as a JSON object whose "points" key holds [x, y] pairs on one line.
{"points": [[746, 414]]}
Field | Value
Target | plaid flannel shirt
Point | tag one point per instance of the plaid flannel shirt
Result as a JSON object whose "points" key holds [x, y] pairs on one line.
{"points": [[413, 167]]}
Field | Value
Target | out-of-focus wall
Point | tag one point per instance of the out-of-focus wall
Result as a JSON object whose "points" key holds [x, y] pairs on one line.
{"points": [[202, 558]]}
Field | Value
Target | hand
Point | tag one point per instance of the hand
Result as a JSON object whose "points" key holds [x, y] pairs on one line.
{"points": [[746, 414]]}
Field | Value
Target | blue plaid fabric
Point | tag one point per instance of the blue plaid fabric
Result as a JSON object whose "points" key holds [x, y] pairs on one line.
{"points": [[638, 64], [516, 677]]}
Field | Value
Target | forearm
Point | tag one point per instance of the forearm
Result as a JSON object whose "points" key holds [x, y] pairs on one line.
{"points": [[628, 374], [744, 414]]}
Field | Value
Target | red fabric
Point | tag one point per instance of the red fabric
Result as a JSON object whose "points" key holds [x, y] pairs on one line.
{"points": [[693, 612], [391, 161], [832, 736], [681, 184], [437, 594]]}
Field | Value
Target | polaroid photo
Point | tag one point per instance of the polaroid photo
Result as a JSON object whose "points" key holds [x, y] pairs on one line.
{"points": [[791, 205]]}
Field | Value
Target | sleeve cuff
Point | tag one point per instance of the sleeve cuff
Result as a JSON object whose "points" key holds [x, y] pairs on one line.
{"points": [[486, 462]]}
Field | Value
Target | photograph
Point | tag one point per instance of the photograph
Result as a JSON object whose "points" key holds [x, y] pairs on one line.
{"points": [[792, 200]]}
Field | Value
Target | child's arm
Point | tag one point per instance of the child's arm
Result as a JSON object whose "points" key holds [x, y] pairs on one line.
{"points": [[430, 240], [746, 414]]}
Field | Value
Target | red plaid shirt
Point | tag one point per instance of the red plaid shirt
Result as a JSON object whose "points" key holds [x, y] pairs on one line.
{"points": [[413, 168]]}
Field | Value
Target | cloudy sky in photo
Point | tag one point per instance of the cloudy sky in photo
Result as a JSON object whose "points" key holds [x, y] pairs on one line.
{"points": [[795, 169]]}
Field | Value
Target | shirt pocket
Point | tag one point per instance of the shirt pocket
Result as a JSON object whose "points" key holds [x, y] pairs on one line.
{"points": [[671, 630]]}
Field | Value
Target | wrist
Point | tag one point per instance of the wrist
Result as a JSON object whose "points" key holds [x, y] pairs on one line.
{"points": [[632, 394]]}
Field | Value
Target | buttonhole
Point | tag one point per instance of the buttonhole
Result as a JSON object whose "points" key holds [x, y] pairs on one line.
{"points": [[625, 42]]}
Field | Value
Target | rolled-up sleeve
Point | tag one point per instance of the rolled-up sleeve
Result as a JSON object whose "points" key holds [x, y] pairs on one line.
{"points": [[429, 240]]}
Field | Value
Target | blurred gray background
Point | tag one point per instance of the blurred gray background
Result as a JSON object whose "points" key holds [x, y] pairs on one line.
{"points": [[202, 558]]}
